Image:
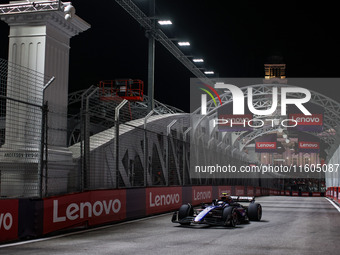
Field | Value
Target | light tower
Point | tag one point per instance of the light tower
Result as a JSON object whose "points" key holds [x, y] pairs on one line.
{"points": [[39, 40]]}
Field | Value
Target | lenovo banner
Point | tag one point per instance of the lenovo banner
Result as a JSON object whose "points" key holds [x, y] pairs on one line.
{"points": [[335, 193], [201, 194], [239, 191], [163, 199], [108, 206], [258, 191], [8, 220], [301, 122], [308, 143], [309, 146], [250, 191], [266, 143], [94, 207]]}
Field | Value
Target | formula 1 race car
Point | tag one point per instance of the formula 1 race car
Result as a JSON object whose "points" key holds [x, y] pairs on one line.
{"points": [[226, 211]]}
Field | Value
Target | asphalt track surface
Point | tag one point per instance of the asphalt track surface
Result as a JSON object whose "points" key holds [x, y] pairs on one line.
{"points": [[290, 225]]}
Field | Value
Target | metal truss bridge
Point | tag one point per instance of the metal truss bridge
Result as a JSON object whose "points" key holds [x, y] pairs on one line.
{"points": [[262, 95]]}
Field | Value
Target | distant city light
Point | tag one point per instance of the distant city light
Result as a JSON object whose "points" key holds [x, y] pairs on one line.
{"points": [[183, 43], [198, 60], [164, 22], [209, 72]]}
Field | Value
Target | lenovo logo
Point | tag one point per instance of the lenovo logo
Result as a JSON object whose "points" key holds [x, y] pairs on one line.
{"points": [[6, 221], [202, 195], [266, 145], [307, 120], [160, 200], [85, 209], [314, 119], [308, 145]]}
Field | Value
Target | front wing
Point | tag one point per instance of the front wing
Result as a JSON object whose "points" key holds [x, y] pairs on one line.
{"points": [[191, 219]]}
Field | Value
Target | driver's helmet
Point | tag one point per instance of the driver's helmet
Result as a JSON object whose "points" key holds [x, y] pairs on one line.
{"points": [[226, 197], [220, 202]]}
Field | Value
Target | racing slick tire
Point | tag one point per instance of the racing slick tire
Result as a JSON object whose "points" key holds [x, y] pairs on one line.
{"points": [[230, 216], [185, 211], [255, 212]]}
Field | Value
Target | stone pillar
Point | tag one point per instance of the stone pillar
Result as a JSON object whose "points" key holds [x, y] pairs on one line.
{"points": [[39, 41]]}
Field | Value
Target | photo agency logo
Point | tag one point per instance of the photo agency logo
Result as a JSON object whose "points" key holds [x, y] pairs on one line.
{"points": [[242, 115]]}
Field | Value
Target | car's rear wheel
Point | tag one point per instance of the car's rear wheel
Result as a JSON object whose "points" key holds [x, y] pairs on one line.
{"points": [[255, 212], [230, 216], [185, 211]]}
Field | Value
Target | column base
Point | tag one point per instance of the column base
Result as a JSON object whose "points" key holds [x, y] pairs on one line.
{"points": [[20, 172]]}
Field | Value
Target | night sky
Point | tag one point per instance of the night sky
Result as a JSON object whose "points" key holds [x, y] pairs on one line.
{"points": [[234, 37]]}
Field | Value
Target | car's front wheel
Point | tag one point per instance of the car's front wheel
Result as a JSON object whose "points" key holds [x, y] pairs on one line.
{"points": [[230, 216], [185, 211]]}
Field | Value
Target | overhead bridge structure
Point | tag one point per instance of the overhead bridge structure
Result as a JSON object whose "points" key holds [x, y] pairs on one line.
{"points": [[146, 140]]}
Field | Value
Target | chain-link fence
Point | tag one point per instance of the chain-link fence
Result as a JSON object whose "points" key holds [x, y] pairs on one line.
{"points": [[102, 144], [21, 136], [119, 151]]}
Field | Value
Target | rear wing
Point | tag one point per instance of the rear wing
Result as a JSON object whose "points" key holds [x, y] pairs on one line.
{"points": [[243, 199]]}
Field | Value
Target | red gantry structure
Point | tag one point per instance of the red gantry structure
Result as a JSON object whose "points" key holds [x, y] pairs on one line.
{"points": [[128, 89]]}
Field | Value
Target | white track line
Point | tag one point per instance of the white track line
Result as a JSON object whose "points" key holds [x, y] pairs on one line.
{"points": [[334, 204], [80, 232]]}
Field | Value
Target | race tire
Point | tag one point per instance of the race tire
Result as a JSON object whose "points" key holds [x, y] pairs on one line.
{"points": [[185, 211], [255, 212], [230, 216]]}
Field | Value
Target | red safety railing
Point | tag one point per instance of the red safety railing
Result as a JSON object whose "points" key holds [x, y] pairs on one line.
{"points": [[128, 89]]}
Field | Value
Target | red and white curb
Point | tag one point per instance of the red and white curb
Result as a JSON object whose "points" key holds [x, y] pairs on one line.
{"points": [[334, 204]]}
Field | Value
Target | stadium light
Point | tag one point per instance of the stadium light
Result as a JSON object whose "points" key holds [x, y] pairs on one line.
{"points": [[198, 60], [164, 22], [183, 43], [209, 72]]}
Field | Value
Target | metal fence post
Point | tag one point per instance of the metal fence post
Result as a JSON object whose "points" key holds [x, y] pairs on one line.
{"points": [[86, 165], [43, 146], [168, 135], [145, 147], [44, 142], [185, 151], [82, 137], [116, 148]]}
